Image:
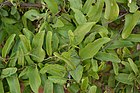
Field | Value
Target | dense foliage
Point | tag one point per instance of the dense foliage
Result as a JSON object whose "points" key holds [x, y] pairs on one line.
{"points": [[70, 46]]}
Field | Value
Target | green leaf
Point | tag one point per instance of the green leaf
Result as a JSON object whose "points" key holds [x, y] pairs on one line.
{"points": [[79, 16], [20, 56], [1, 87], [121, 44], [3, 12], [29, 35], [115, 68], [92, 49], [94, 65], [55, 42], [34, 78], [13, 83], [54, 69], [123, 78], [8, 72], [68, 62], [52, 5], [95, 12], [38, 39], [38, 53], [77, 73], [48, 88], [81, 31], [58, 88], [84, 84], [76, 4], [25, 42], [73, 88], [92, 89], [132, 6], [8, 20], [87, 5], [111, 10], [57, 79], [134, 38], [49, 43], [58, 23], [107, 57], [133, 66], [8, 45], [33, 15], [130, 22]]}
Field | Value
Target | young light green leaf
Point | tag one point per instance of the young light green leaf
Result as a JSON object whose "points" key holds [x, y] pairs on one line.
{"points": [[79, 16], [87, 5], [8, 72], [68, 62], [133, 66], [57, 79], [29, 35], [77, 73], [130, 22], [94, 65], [1, 87], [58, 23], [54, 69], [81, 31], [52, 5], [76, 4], [123, 78], [13, 83], [25, 42], [133, 6], [95, 12], [111, 10], [33, 15], [55, 42], [84, 84], [107, 57], [88, 52], [49, 43], [115, 68], [48, 87], [21, 57], [38, 39], [92, 89], [34, 78], [8, 45]]}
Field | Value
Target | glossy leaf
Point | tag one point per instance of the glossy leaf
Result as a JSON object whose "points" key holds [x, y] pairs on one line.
{"points": [[7, 45], [77, 73], [130, 22], [34, 78], [87, 52], [81, 31], [49, 43], [111, 10]]}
